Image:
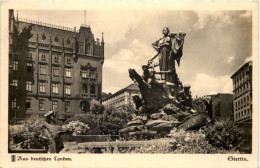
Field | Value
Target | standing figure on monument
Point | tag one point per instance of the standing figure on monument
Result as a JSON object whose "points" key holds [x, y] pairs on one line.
{"points": [[169, 49]]}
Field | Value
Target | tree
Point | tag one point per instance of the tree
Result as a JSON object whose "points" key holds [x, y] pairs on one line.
{"points": [[96, 107]]}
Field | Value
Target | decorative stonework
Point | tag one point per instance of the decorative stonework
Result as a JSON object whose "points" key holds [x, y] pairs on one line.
{"points": [[88, 66]]}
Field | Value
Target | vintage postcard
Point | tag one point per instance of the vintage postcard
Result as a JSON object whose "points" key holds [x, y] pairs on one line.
{"points": [[129, 84]]}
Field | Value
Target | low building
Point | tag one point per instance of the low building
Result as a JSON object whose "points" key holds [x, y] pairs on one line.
{"points": [[122, 97], [242, 93], [222, 106]]}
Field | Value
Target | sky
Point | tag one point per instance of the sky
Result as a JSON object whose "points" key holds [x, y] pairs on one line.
{"points": [[216, 45]]}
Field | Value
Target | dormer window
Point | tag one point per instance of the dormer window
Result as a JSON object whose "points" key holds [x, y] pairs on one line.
{"points": [[56, 39], [43, 57], [89, 49], [43, 36], [68, 41], [56, 59]]}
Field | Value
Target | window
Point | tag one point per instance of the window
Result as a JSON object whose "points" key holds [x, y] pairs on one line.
{"points": [[56, 39], [56, 59], [54, 105], [68, 41], [89, 50], [42, 87], [68, 61], [28, 85], [29, 67], [67, 106], [42, 69], [84, 73], [55, 88], [15, 82], [67, 89], [81, 45], [85, 89], [15, 66], [43, 36], [28, 103], [92, 89], [85, 107], [41, 104], [30, 56], [13, 104], [55, 71], [92, 74], [66, 117], [68, 72], [43, 57]]}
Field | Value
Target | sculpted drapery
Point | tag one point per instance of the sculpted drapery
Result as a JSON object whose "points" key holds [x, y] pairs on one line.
{"points": [[170, 50]]}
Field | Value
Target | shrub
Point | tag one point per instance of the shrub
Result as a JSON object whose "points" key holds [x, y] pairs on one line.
{"points": [[96, 107], [224, 134], [92, 120], [78, 128], [31, 135], [193, 142], [110, 122], [181, 142], [114, 119]]}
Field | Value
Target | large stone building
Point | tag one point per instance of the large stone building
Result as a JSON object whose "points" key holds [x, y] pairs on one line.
{"points": [[52, 68], [242, 92], [122, 97]]}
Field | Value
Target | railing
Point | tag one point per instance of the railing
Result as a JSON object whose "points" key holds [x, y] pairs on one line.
{"points": [[47, 24], [85, 25], [88, 138]]}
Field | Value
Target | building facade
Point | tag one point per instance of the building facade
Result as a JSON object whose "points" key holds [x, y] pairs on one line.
{"points": [[52, 68], [222, 106], [242, 93], [122, 97]]}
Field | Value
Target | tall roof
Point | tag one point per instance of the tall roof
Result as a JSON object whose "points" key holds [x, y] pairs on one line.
{"points": [[57, 32]]}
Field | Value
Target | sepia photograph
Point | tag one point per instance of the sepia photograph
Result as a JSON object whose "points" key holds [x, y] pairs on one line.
{"points": [[130, 81]]}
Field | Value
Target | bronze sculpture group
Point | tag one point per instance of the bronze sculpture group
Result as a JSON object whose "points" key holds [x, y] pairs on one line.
{"points": [[165, 102]]}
